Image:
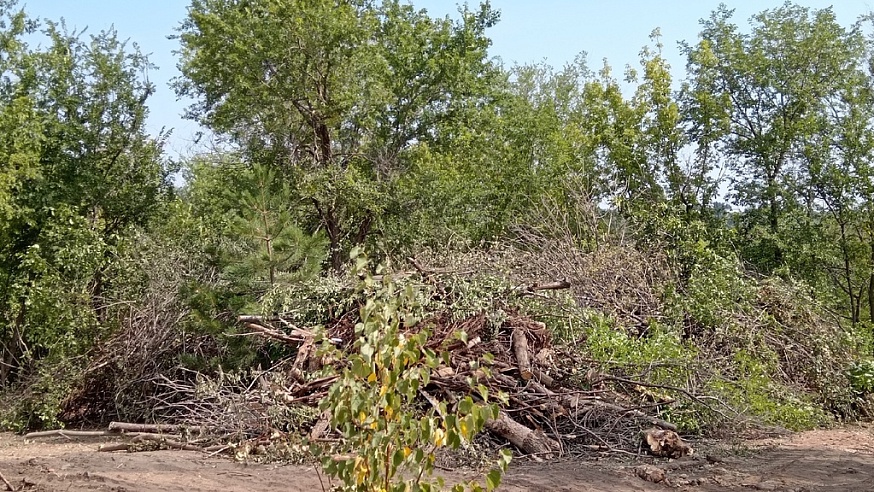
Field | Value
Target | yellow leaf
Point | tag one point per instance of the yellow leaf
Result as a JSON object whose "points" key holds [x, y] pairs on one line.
{"points": [[439, 437], [383, 390], [407, 451], [360, 470], [389, 412], [462, 425], [362, 416], [372, 377]]}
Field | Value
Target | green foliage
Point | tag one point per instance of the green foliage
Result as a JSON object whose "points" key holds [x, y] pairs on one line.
{"points": [[754, 389], [861, 375], [386, 446], [334, 94], [618, 350], [273, 247], [78, 171], [38, 406]]}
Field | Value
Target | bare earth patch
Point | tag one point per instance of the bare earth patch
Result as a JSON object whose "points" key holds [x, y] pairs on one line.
{"points": [[828, 460]]}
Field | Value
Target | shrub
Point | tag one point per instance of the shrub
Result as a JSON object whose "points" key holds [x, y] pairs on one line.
{"points": [[389, 443]]}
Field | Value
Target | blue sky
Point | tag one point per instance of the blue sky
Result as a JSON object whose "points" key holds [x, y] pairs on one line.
{"points": [[554, 31]]}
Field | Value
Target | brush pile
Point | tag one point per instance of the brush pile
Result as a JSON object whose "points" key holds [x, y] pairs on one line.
{"points": [[554, 403]]}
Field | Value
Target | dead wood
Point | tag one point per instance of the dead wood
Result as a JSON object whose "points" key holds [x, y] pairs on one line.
{"points": [[530, 441], [142, 438], [69, 433], [664, 424], [541, 376], [108, 448], [557, 285], [153, 428], [665, 444], [6, 482], [295, 338], [519, 339], [540, 411]]}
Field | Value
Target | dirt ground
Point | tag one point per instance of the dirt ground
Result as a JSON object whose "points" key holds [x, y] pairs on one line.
{"points": [[828, 460]]}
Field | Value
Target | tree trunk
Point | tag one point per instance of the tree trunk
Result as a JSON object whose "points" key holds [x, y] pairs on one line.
{"points": [[774, 224], [12, 348], [332, 229]]}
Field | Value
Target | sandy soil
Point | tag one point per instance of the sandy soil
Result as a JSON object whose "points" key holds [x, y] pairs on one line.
{"points": [[828, 460]]}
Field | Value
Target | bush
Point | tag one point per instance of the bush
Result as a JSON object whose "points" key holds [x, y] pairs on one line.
{"points": [[387, 446]]}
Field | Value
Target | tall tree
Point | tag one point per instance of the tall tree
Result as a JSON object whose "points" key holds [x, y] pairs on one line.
{"points": [[774, 83], [78, 169], [333, 93]]}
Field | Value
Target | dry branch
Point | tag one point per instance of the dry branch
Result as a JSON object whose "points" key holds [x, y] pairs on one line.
{"points": [[557, 285], [8, 485], [530, 441], [69, 433], [520, 348], [153, 428], [295, 338], [664, 424], [159, 439]]}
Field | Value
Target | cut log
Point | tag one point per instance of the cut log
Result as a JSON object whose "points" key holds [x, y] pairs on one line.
{"points": [[519, 340], [527, 440]]}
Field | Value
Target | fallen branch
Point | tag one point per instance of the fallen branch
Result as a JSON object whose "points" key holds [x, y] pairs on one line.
{"points": [[527, 440], [687, 393], [69, 433], [519, 340], [297, 336], [664, 424], [153, 428], [542, 377], [107, 448], [557, 285], [9, 486], [170, 443]]}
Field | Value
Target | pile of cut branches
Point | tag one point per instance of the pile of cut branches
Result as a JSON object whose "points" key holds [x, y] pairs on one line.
{"points": [[544, 411]]}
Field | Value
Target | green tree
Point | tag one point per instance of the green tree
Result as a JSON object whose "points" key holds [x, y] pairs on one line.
{"points": [[78, 169], [333, 94], [767, 91]]}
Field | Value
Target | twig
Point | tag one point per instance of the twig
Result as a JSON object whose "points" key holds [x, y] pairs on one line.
{"points": [[607, 449], [220, 450], [297, 336], [9, 486], [153, 438], [687, 393]]}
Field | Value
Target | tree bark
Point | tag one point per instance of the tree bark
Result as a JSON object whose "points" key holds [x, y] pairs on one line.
{"points": [[529, 441], [519, 340], [871, 288]]}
